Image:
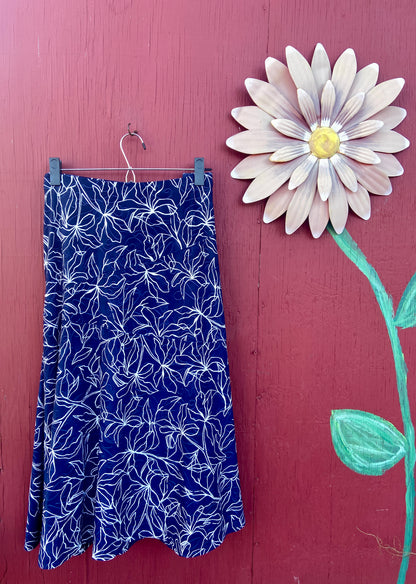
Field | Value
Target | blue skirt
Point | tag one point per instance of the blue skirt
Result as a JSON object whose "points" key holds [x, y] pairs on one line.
{"points": [[134, 429]]}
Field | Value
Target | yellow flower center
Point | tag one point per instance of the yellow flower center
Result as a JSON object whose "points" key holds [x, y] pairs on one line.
{"points": [[324, 142]]}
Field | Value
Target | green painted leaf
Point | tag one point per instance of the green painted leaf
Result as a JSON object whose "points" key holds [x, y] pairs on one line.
{"points": [[366, 443], [406, 311]]}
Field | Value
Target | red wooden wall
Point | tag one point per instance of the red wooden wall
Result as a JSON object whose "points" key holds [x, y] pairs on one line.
{"points": [[305, 333]]}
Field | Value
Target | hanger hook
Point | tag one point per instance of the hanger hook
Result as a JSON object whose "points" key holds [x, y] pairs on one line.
{"points": [[130, 133]]}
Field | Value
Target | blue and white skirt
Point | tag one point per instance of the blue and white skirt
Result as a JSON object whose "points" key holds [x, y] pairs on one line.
{"points": [[134, 429]]}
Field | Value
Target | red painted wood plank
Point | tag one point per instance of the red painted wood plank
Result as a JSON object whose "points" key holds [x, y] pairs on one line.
{"points": [[323, 345], [304, 333]]}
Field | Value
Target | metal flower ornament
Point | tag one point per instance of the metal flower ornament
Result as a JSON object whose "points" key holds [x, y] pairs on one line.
{"points": [[320, 140]]}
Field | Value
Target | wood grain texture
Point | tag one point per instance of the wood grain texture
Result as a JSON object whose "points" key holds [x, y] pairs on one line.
{"points": [[304, 332]]}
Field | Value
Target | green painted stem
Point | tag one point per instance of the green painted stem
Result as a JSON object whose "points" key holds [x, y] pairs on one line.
{"points": [[353, 252]]}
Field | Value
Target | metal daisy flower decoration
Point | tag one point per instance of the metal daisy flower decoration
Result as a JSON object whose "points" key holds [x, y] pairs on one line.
{"points": [[320, 140]]}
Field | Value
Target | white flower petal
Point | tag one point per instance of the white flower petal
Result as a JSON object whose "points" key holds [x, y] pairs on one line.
{"points": [[338, 205], [371, 177], [269, 99], [307, 108], [301, 173], [302, 75], [343, 77], [258, 141], [390, 165], [380, 97], [391, 116], [279, 76], [301, 203], [277, 204], [318, 216], [291, 129], [360, 202], [321, 68], [324, 179], [270, 180], [289, 152], [252, 166], [344, 172], [327, 103], [351, 107], [356, 152], [365, 79], [360, 130], [252, 117], [385, 141]]}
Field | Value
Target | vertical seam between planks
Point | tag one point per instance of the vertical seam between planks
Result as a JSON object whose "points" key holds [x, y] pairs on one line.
{"points": [[257, 354], [255, 407]]}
